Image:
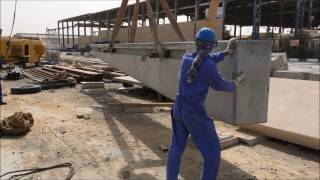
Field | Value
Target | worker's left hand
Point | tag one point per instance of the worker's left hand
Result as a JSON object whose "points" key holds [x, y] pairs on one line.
{"points": [[239, 78], [232, 45]]}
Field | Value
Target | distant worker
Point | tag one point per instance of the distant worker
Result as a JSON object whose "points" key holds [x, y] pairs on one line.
{"points": [[198, 72], [1, 93]]}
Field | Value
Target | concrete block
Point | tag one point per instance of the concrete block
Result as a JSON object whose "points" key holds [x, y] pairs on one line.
{"points": [[248, 105], [290, 75], [293, 114], [279, 61]]}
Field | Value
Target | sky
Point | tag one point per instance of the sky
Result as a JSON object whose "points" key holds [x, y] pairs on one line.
{"points": [[33, 16]]}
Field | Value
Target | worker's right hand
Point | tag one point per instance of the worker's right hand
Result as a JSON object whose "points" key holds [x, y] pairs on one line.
{"points": [[232, 45], [239, 78]]}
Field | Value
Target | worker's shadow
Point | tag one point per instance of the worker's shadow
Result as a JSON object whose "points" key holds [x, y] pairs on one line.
{"points": [[153, 134]]}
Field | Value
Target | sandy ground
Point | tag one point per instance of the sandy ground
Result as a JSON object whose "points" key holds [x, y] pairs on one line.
{"points": [[116, 145]]}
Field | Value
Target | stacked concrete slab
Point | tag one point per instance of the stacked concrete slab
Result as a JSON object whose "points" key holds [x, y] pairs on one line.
{"points": [[293, 113], [248, 105]]}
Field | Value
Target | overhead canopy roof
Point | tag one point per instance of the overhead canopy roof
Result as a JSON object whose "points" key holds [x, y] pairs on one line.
{"points": [[238, 12]]}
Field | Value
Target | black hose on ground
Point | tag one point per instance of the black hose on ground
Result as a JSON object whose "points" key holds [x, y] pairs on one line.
{"points": [[37, 170]]}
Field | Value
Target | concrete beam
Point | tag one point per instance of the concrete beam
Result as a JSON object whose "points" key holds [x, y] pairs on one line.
{"points": [[248, 105]]}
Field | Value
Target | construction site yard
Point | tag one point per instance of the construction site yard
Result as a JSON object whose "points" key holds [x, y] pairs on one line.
{"points": [[110, 144]]}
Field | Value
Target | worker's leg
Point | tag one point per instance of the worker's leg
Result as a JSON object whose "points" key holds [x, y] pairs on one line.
{"points": [[204, 135], [179, 140]]}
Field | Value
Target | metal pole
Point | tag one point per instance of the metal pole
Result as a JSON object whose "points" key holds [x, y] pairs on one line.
{"points": [[68, 41], [84, 28], [72, 34], [63, 43], [158, 11], [281, 16], [176, 8], [310, 18], [299, 17], [108, 25], [143, 16], [196, 15], [225, 3], [78, 26], [99, 26], [59, 32], [256, 19]]}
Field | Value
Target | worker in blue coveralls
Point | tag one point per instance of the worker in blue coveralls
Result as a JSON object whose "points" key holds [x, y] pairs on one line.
{"points": [[198, 72], [1, 93]]}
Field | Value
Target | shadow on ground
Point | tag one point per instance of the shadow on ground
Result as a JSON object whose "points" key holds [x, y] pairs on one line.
{"points": [[153, 134]]}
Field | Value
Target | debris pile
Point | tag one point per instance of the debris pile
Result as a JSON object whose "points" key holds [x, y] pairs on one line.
{"points": [[17, 124], [63, 75]]}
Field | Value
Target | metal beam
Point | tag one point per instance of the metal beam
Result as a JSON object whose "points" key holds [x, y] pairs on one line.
{"points": [[120, 16], [153, 29], [172, 20], [133, 28]]}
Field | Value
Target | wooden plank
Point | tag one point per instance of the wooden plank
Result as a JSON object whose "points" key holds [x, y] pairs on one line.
{"points": [[172, 20], [133, 28], [86, 75], [153, 29], [127, 79], [120, 15]]}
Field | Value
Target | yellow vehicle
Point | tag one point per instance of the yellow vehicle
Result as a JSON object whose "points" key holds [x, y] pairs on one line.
{"points": [[21, 50]]}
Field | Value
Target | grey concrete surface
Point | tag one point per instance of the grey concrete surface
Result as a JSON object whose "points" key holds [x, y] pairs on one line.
{"points": [[248, 105]]}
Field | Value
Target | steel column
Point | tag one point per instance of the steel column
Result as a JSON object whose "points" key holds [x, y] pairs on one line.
{"points": [[157, 11], [72, 23], [63, 43], [143, 15], [58, 32], [68, 41], [310, 17], [84, 28], [78, 30], [256, 18], [196, 15], [176, 8], [299, 17]]}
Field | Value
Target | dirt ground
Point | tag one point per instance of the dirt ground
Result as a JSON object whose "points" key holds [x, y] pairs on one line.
{"points": [[115, 145]]}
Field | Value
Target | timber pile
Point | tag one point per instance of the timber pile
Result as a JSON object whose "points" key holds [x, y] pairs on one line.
{"points": [[85, 75]]}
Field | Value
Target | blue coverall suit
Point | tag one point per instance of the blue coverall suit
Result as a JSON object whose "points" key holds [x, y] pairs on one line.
{"points": [[189, 115]]}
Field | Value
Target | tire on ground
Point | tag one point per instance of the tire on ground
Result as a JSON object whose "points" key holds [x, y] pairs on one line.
{"points": [[26, 89]]}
